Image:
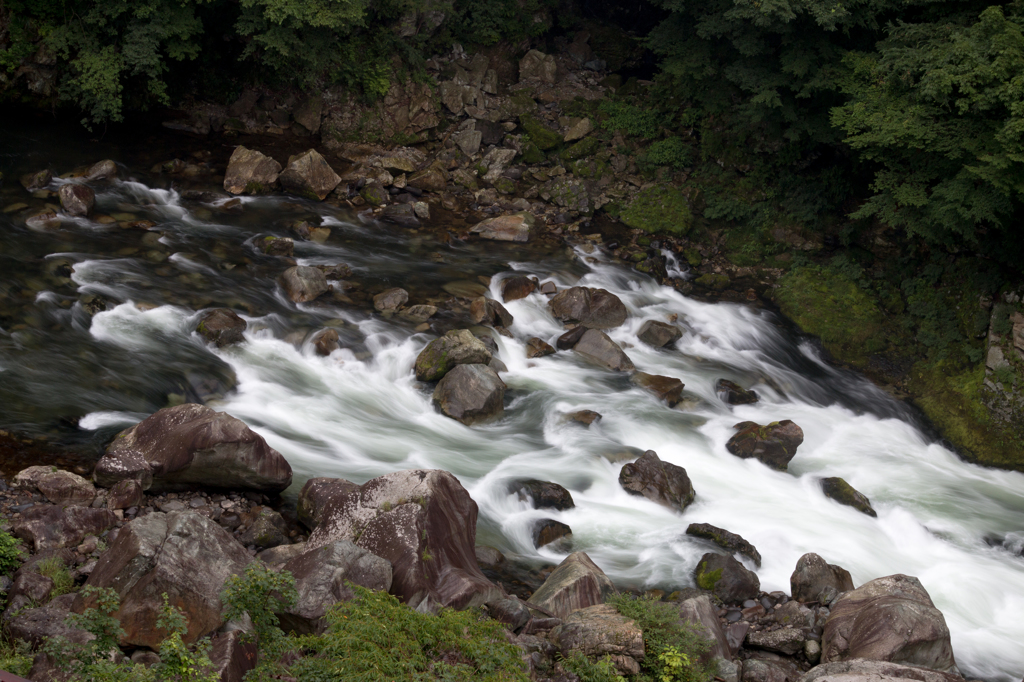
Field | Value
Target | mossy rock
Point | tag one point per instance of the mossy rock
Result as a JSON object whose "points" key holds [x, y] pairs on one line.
{"points": [[712, 280], [706, 580], [505, 185], [693, 257], [374, 195], [588, 146], [532, 154], [659, 210], [842, 492], [541, 135]]}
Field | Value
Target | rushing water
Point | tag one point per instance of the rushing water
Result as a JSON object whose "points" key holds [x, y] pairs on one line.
{"points": [[360, 412]]}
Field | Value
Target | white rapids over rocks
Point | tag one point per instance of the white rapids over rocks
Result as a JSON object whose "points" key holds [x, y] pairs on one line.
{"points": [[358, 418]]}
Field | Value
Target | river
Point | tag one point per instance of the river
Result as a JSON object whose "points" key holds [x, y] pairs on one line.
{"points": [[359, 413]]}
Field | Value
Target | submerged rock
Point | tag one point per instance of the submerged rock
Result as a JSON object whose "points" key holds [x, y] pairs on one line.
{"points": [[590, 307], [658, 481], [457, 347], [774, 444], [724, 539], [515, 288], [250, 172], [727, 578], [222, 327], [471, 394], [844, 493]]}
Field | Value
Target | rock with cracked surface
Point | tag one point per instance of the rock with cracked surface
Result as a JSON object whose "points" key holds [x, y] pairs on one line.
{"points": [[658, 481], [600, 630], [56, 485], [575, 584]]}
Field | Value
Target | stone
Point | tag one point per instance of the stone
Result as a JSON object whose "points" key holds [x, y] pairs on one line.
{"points": [[889, 619], [471, 394], [468, 141], [658, 481], [597, 347], [517, 287], [430, 179], [181, 447], [277, 246], [727, 578], [568, 340], [592, 308], [47, 526], [659, 334], [842, 492], [303, 283], [538, 348], [543, 494], [496, 161], [33, 182], [309, 175], [424, 523], [762, 670], [390, 300], [600, 630], [734, 394], [725, 540], [488, 311], [736, 635], [514, 227], [325, 342], [419, 313], [813, 574], [585, 417], [786, 640], [536, 65], [774, 445], [250, 172], [668, 389], [308, 114], [101, 170], [862, 670], [125, 495], [795, 614], [579, 130], [547, 531], [702, 613], [509, 610], [56, 485], [457, 347], [32, 585], [184, 555], [1018, 331], [812, 651], [321, 577], [232, 656], [36, 625], [276, 557], [316, 495], [76, 199], [400, 214], [267, 530], [222, 327], [575, 584]]}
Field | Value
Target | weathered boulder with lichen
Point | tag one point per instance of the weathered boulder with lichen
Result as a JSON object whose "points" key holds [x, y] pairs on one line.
{"points": [[575, 584], [727, 578], [310, 175], [774, 444], [600, 630], [457, 347], [250, 172]]}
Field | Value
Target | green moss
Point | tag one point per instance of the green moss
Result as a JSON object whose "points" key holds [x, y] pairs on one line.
{"points": [[255, 188], [693, 257], [532, 153], [542, 136], [659, 210], [505, 186], [713, 281], [588, 146], [374, 195], [707, 580]]}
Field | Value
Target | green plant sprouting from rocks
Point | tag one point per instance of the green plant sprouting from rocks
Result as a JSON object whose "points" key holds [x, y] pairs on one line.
{"points": [[260, 593], [673, 648], [11, 551]]}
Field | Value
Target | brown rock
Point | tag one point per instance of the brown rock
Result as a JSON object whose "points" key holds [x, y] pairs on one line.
{"points": [[56, 485], [125, 495], [102, 170], [861, 670], [250, 172], [814, 577], [471, 394], [515, 288], [303, 283], [734, 394], [600, 630], [585, 417], [842, 492], [727, 578], [48, 526], [543, 494], [538, 348], [658, 481], [568, 340], [575, 584], [668, 389], [786, 640], [277, 246], [390, 300], [316, 495], [593, 308], [326, 341], [487, 311], [267, 530], [76, 200], [514, 227], [232, 656], [597, 347], [659, 334], [310, 175], [222, 327], [701, 612], [774, 444], [431, 179], [34, 182], [546, 531]]}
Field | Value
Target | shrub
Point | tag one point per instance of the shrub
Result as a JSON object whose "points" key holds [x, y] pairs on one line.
{"points": [[662, 210], [592, 671], [176, 661], [15, 657], [260, 593], [673, 647], [11, 555], [54, 569], [673, 152], [637, 122]]}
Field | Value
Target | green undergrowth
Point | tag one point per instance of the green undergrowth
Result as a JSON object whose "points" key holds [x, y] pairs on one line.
{"points": [[674, 650], [11, 553], [660, 210]]}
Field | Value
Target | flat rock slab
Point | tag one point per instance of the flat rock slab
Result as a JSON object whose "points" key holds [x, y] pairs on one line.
{"points": [[785, 640], [514, 227]]}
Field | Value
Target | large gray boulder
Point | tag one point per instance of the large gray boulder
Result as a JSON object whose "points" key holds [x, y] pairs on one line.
{"points": [[575, 584], [184, 555], [727, 578], [56, 485], [889, 619], [424, 523], [658, 481], [457, 347], [774, 444], [188, 446], [600, 630], [593, 308], [814, 579], [250, 172], [863, 670], [76, 199], [48, 526], [321, 577], [315, 496], [597, 347], [310, 175], [303, 283], [471, 394]]}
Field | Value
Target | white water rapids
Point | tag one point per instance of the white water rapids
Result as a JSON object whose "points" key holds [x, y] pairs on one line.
{"points": [[360, 415]]}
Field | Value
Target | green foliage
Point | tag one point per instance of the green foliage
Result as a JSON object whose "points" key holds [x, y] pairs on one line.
{"points": [[374, 637], [54, 569], [260, 593], [15, 656], [663, 210], [674, 152], [634, 120], [11, 553], [177, 663], [602, 670], [486, 22], [673, 648], [540, 135], [90, 661]]}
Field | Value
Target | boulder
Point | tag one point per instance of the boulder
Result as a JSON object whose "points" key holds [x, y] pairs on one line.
{"points": [[774, 444], [56, 485], [514, 227], [32, 585], [76, 200], [277, 246], [250, 172], [658, 481], [316, 495], [659, 334], [842, 492], [182, 447], [585, 417], [457, 347], [543, 494], [535, 65], [400, 214], [36, 625], [515, 288], [310, 175], [590, 307], [487, 311], [470, 394], [863, 670], [222, 327], [276, 557], [724, 539], [390, 300], [303, 283], [326, 342], [34, 182], [889, 619], [770, 670], [702, 613], [597, 347], [424, 523], [734, 394], [431, 179], [232, 655], [47, 526], [538, 348], [727, 578], [794, 614], [321, 577], [419, 313], [569, 339], [600, 630], [184, 555], [101, 170], [785, 640], [308, 114], [125, 495], [509, 610], [575, 584], [546, 531], [268, 529], [668, 389], [814, 578]]}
